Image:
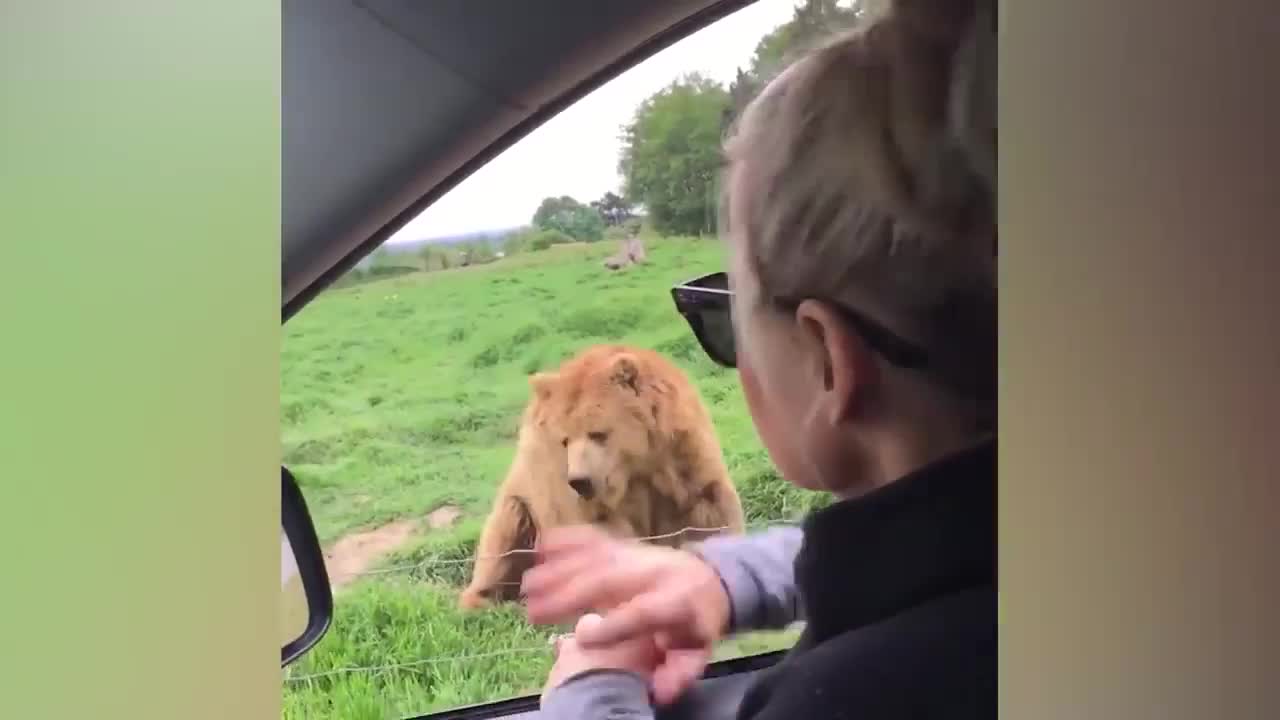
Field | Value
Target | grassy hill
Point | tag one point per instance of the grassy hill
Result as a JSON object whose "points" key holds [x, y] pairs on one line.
{"points": [[402, 396]]}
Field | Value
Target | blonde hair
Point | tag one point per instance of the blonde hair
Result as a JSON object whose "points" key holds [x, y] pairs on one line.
{"points": [[867, 171]]}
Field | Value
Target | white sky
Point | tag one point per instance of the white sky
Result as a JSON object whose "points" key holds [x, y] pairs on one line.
{"points": [[576, 152]]}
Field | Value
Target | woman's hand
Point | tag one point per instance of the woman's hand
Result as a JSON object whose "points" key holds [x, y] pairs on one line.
{"points": [[670, 598], [640, 656]]}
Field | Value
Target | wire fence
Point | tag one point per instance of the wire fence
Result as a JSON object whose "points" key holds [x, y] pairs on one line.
{"points": [[374, 669], [435, 562], [545, 647]]}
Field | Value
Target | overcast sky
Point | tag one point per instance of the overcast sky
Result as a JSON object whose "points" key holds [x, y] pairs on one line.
{"points": [[576, 152]]}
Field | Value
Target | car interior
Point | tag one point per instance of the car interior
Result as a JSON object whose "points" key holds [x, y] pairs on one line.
{"points": [[387, 105]]}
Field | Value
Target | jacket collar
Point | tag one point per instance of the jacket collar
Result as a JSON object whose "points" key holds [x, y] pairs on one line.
{"points": [[928, 534]]}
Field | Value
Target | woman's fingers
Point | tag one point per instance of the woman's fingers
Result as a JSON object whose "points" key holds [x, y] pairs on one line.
{"points": [[572, 539], [565, 554], [586, 589], [554, 574], [679, 670], [656, 612]]}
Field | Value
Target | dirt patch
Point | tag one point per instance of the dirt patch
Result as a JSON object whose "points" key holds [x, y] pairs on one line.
{"points": [[443, 517], [353, 555]]}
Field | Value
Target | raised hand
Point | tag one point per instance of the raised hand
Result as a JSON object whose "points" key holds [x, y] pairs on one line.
{"points": [[670, 597]]}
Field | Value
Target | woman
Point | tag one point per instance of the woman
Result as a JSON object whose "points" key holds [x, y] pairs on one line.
{"points": [[860, 213]]}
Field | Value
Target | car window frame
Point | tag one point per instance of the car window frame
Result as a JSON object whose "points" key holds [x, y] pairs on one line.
{"points": [[529, 704], [684, 28]]}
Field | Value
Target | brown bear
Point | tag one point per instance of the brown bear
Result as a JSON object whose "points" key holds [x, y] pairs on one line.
{"points": [[617, 437]]}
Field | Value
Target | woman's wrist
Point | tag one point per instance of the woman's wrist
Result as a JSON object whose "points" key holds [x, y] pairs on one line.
{"points": [[598, 691]]}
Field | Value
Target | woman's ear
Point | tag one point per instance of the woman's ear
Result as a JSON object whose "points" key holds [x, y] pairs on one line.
{"points": [[845, 364]]}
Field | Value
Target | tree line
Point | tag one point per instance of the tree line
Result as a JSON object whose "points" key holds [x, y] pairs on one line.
{"points": [[671, 154], [671, 150]]}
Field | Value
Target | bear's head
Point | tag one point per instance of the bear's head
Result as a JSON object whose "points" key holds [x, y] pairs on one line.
{"points": [[601, 411]]}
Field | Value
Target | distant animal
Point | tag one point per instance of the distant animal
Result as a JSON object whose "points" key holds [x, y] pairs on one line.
{"points": [[630, 252], [617, 437], [635, 250]]}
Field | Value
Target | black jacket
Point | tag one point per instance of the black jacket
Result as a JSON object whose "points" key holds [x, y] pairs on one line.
{"points": [[898, 588]]}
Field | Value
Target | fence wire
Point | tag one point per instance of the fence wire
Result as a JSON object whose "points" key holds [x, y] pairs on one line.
{"points": [[520, 551], [545, 647], [374, 669]]}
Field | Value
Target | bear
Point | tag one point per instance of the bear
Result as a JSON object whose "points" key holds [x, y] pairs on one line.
{"points": [[617, 437]]}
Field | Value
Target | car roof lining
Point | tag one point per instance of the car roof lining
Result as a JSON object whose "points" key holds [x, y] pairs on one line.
{"points": [[388, 104]]}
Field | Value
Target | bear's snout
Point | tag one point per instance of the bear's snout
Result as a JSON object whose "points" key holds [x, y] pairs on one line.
{"points": [[583, 486]]}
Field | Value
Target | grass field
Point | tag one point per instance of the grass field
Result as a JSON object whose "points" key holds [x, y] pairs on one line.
{"points": [[403, 395]]}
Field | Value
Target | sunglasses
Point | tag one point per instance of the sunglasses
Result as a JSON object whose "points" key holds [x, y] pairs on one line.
{"points": [[705, 304]]}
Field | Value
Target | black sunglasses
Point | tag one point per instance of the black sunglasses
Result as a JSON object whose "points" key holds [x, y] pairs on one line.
{"points": [[704, 303]]}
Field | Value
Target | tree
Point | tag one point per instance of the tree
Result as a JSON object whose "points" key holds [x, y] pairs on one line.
{"points": [[566, 215], [614, 208], [543, 239], [516, 241], [477, 252], [431, 257], [671, 155], [810, 23]]}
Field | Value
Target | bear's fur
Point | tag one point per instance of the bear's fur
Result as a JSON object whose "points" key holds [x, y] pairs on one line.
{"points": [[631, 432]]}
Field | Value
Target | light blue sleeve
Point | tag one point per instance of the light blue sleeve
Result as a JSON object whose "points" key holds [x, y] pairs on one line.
{"points": [[599, 695], [758, 572]]}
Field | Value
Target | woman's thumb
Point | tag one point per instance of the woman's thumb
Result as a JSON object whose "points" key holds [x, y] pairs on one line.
{"points": [[586, 623]]}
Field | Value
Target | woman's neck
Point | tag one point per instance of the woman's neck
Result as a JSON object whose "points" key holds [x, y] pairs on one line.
{"points": [[897, 452]]}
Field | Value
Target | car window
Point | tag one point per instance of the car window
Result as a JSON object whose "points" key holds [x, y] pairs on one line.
{"points": [[403, 385]]}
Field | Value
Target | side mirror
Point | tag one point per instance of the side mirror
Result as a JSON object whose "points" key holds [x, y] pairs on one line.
{"points": [[306, 598]]}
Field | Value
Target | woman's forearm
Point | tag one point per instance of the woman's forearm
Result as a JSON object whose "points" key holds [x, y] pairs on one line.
{"points": [[758, 572]]}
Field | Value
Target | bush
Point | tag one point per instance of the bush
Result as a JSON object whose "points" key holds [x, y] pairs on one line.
{"points": [[543, 239], [477, 253], [379, 272], [581, 222], [611, 322], [516, 241], [433, 257]]}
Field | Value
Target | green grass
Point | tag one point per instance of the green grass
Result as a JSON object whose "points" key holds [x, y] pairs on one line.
{"points": [[402, 395]]}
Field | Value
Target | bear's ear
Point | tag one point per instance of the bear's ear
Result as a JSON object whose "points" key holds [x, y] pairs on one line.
{"points": [[542, 383], [625, 372]]}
